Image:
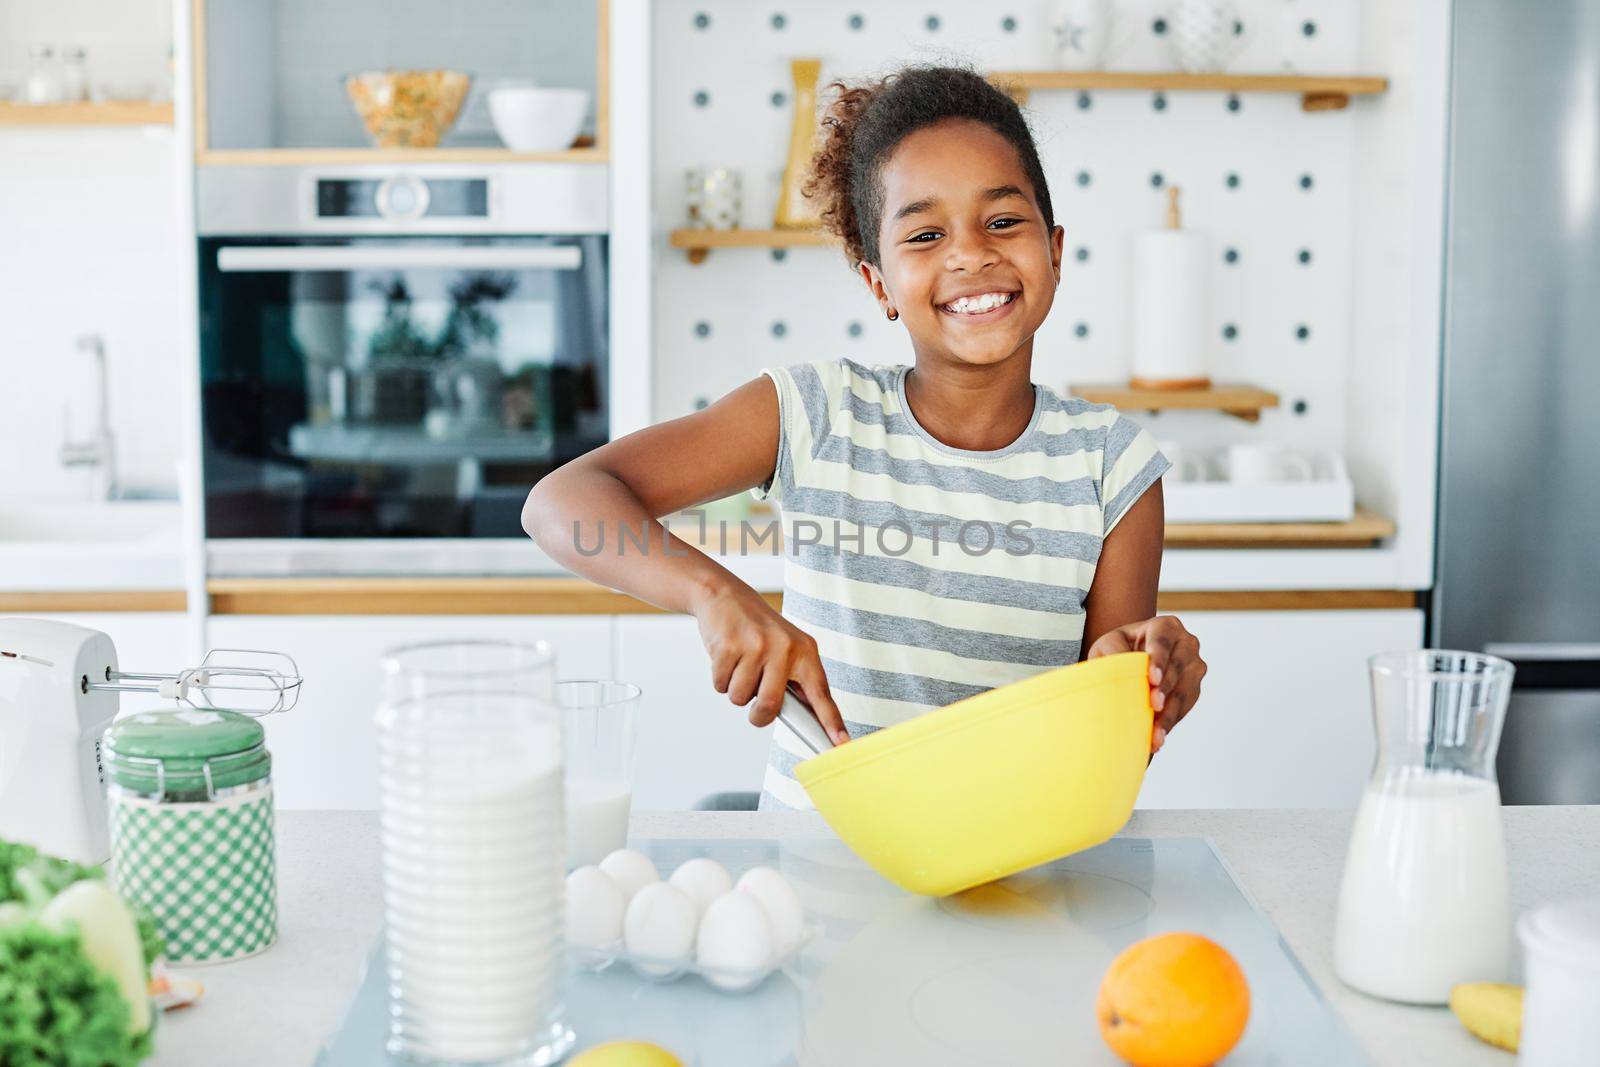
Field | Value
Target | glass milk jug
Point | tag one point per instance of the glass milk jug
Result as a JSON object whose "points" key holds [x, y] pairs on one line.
{"points": [[474, 856], [1425, 902]]}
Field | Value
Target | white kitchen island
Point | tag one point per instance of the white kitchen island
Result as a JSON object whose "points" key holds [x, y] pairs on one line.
{"points": [[278, 1008]]}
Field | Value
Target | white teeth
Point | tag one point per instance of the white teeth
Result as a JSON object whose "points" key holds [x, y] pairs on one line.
{"points": [[976, 305]]}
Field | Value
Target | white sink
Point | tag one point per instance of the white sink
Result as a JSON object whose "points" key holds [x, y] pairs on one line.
{"points": [[56, 523], [136, 544]]}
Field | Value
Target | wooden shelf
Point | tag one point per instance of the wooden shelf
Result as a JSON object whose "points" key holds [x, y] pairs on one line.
{"points": [[110, 113], [297, 157], [48, 602], [1241, 401], [1317, 92], [424, 596], [699, 243], [1286, 600], [1363, 531]]}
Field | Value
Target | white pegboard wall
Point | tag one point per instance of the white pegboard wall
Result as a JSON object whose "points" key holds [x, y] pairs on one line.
{"points": [[721, 98]]}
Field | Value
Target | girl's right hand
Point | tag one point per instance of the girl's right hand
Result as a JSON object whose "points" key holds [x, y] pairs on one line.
{"points": [[756, 653]]}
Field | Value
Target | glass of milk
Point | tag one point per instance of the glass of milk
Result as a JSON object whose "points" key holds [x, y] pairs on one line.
{"points": [[474, 853], [600, 723], [1425, 901]]}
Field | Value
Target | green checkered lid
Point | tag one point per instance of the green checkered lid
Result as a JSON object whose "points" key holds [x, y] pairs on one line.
{"points": [[169, 751]]}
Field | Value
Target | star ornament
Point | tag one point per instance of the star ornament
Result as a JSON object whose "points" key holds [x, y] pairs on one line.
{"points": [[1069, 35]]}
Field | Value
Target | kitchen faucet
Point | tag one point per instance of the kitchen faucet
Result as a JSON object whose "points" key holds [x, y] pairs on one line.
{"points": [[99, 451]]}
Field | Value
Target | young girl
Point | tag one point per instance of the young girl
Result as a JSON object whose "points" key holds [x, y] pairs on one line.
{"points": [[949, 526]]}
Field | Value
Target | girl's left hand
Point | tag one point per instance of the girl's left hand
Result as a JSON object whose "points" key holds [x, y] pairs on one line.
{"points": [[1175, 667]]}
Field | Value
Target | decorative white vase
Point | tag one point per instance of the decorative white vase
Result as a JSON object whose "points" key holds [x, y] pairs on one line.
{"points": [[1082, 30], [1206, 34]]}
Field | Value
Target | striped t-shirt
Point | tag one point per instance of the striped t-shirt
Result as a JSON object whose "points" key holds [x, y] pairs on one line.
{"points": [[928, 573]]}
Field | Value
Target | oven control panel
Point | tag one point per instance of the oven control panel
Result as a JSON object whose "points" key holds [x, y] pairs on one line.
{"points": [[402, 198]]}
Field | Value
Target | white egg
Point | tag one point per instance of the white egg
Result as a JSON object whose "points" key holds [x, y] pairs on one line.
{"points": [[660, 924], [631, 870], [735, 946], [594, 908], [782, 905], [704, 880]]}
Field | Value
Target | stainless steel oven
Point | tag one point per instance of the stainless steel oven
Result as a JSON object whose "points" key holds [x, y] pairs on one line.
{"points": [[397, 353]]}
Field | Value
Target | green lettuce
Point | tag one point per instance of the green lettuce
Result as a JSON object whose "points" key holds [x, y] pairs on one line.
{"points": [[57, 1009]]}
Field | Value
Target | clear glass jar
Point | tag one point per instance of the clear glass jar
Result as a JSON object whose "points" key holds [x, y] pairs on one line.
{"points": [[714, 198], [471, 816], [74, 74], [43, 84], [1425, 901]]}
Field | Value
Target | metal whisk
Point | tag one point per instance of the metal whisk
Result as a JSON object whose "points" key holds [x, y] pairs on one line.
{"points": [[250, 681]]}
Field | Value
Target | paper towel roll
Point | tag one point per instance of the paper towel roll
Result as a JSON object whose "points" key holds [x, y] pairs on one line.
{"points": [[1170, 309]]}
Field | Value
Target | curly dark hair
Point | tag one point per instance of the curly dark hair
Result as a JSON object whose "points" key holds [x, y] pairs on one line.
{"points": [[864, 123]]}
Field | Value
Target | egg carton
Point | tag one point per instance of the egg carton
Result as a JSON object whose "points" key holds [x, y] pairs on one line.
{"points": [[656, 969]]}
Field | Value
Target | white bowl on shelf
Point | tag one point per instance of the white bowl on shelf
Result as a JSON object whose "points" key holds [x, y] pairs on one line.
{"points": [[536, 119], [1327, 495], [474, 124]]}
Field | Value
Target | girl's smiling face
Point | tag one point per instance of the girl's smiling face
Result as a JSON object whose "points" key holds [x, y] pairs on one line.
{"points": [[968, 262]]}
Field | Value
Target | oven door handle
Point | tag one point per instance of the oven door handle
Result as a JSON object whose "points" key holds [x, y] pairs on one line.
{"points": [[1551, 664], [282, 258]]}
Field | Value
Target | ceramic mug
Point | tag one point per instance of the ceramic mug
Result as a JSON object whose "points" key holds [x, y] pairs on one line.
{"points": [[1186, 467], [1087, 34], [1265, 464], [1560, 943]]}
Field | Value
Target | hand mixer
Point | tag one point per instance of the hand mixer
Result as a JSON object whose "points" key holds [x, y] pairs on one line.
{"points": [[59, 686]]}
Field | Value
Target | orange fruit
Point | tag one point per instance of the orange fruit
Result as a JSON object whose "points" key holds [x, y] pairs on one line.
{"points": [[1173, 1000]]}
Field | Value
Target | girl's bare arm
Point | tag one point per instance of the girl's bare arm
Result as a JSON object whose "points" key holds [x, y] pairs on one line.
{"points": [[629, 483], [1120, 613], [723, 449], [1128, 571]]}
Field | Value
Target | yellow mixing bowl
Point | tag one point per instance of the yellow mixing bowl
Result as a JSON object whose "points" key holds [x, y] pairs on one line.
{"points": [[996, 783]]}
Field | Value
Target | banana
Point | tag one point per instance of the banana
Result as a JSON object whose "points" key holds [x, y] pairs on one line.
{"points": [[1491, 1012]]}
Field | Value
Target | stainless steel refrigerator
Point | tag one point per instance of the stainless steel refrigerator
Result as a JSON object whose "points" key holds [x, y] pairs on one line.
{"points": [[1519, 479]]}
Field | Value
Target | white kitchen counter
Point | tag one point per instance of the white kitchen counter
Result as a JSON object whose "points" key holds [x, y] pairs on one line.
{"points": [[121, 545], [275, 1010]]}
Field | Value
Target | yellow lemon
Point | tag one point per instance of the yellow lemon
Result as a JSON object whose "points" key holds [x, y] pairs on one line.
{"points": [[626, 1054]]}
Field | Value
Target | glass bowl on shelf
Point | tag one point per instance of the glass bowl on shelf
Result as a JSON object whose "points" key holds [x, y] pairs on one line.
{"points": [[407, 108]]}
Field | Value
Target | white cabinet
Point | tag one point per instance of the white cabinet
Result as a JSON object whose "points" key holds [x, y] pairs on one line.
{"points": [[323, 751], [1284, 719], [692, 740]]}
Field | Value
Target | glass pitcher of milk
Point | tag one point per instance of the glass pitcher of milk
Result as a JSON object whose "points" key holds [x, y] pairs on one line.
{"points": [[1425, 902]]}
